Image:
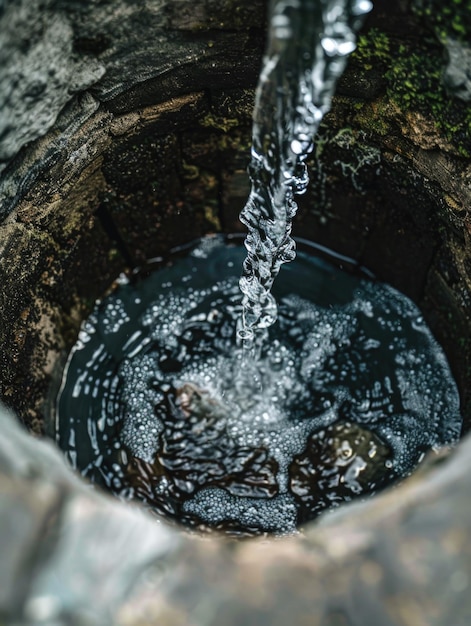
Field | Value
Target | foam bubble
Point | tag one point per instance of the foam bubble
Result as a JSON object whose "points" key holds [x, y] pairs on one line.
{"points": [[346, 395]]}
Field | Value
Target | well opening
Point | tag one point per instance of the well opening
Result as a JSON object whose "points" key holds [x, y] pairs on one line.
{"points": [[122, 178], [141, 183], [136, 141]]}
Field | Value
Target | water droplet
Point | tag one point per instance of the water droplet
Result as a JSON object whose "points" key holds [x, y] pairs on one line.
{"points": [[361, 7]]}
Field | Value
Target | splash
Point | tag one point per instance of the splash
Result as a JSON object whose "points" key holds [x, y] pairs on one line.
{"points": [[355, 391], [309, 42]]}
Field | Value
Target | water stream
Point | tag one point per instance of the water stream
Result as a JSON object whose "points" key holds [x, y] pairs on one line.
{"points": [[308, 44]]}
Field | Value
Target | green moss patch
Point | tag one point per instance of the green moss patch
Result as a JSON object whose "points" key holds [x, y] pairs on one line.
{"points": [[447, 19], [412, 74]]}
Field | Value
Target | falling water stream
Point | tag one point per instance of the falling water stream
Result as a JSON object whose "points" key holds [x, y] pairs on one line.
{"points": [[183, 393], [308, 44]]}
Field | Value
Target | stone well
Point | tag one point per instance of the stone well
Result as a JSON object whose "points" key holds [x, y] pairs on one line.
{"points": [[124, 131]]}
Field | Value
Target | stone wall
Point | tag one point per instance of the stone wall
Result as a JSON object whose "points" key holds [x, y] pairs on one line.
{"points": [[124, 130], [99, 168]]}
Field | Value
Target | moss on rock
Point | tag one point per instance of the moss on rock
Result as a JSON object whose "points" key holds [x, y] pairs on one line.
{"points": [[412, 74], [447, 19]]}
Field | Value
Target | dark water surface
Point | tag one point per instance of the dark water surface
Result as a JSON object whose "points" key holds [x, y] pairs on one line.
{"points": [[159, 404]]}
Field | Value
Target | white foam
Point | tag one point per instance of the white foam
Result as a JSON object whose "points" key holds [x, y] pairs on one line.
{"points": [[370, 361]]}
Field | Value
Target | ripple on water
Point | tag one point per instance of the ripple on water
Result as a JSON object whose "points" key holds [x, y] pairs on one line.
{"points": [[159, 404]]}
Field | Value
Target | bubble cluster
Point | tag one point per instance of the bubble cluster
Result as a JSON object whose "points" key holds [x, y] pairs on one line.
{"points": [[161, 405], [218, 507]]}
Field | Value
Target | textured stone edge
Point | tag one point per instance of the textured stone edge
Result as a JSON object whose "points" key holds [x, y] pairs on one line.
{"points": [[71, 553]]}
